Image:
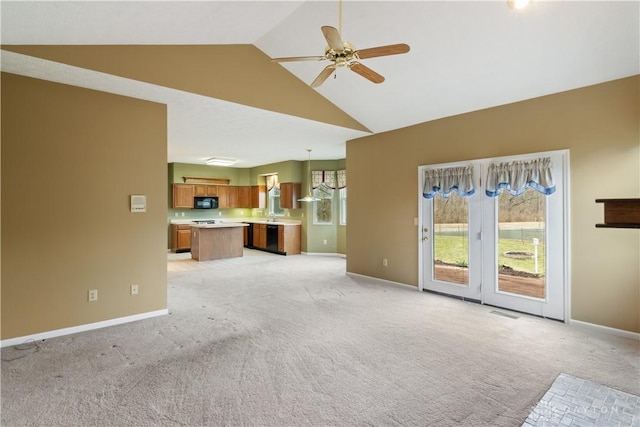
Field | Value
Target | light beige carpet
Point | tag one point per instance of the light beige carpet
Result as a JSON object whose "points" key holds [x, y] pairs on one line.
{"points": [[271, 340]]}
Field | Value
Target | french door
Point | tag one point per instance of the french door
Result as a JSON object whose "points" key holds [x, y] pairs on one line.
{"points": [[506, 251]]}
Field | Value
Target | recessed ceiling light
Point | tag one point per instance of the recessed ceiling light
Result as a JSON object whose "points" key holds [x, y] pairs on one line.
{"points": [[518, 4], [220, 161]]}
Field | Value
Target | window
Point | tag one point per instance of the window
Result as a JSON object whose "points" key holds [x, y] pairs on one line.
{"points": [[342, 194], [323, 208], [273, 191], [343, 206]]}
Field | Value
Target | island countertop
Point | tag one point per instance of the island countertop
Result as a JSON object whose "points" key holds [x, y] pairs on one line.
{"points": [[217, 241], [220, 225]]}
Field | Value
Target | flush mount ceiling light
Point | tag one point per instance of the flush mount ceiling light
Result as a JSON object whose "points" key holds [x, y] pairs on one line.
{"points": [[309, 197], [518, 4], [220, 161]]}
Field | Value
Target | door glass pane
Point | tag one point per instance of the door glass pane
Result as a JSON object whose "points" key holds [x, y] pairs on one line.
{"points": [[451, 239], [521, 243]]}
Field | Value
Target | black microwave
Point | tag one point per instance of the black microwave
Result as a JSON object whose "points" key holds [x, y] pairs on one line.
{"points": [[205, 203]]}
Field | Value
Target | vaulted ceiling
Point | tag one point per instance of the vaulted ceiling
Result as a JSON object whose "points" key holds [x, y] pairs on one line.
{"points": [[209, 61]]}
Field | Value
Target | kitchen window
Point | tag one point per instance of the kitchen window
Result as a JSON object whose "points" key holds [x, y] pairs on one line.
{"points": [[273, 191]]}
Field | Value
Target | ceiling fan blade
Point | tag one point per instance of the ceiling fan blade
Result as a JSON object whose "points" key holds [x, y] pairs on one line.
{"points": [[392, 49], [324, 75], [366, 72], [334, 40], [299, 58]]}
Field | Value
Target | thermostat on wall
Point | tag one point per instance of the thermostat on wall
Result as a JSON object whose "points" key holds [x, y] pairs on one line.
{"points": [[138, 203]]}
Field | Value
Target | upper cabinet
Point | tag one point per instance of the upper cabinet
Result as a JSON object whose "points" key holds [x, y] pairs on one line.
{"points": [[228, 196], [223, 197], [289, 195], [183, 196], [244, 197], [258, 196], [233, 197], [206, 190]]}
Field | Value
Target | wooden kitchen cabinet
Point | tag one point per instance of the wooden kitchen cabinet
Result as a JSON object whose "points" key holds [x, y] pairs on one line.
{"points": [[232, 197], [289, 195], [205, 190], [260, 236], [289, 238], [223, 196], [183, 196], [258, 196], [244, 197], [180, 237]]}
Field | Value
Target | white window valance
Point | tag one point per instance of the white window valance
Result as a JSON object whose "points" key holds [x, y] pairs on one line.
{"points": [[447, 180], [324, 178], [272, 181], [515, 177]]}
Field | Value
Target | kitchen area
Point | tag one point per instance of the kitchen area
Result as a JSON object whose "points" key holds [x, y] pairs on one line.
{"points": [[207, 199], [217, 220]]}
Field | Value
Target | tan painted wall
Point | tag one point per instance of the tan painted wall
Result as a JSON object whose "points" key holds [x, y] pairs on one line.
{"points": [[71, 158], [238, 73], [600, 126]]}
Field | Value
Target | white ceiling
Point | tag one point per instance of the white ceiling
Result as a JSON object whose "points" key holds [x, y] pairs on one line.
{"points": [[464, 56]]}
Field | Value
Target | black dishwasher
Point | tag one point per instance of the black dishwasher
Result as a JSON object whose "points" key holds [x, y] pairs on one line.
{"points": [[272, 238]]}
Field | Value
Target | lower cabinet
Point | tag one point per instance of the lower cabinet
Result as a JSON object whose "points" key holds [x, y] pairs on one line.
{"points": [[260, 236], [288, 236], [289, 239], [180, 238]]}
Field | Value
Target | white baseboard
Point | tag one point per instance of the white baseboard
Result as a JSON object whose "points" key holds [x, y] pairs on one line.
{"points": [[572, 322], [605, 329], [82, 328]]}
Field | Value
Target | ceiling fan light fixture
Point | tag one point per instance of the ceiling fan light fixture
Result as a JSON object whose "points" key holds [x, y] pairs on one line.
{"points": [[344, 54], [220, 161], [309, 197], [518, 4]]}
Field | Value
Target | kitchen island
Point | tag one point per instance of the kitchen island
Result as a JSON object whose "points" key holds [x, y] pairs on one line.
{"points": [[217, 241]]}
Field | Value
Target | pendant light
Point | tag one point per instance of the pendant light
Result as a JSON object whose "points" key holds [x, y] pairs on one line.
{"points": [[309, 197]]}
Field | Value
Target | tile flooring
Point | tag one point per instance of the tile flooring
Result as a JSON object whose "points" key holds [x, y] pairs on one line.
{"points": [[573, 401]]}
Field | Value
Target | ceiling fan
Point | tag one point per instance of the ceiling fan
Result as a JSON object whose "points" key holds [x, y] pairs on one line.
{"points": [[344, 54]]}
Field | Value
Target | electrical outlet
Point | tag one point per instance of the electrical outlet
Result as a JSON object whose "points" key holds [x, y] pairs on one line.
{"points": [[384, 262], [182, 213], [134, 289], [324, 242], [93, 295]]}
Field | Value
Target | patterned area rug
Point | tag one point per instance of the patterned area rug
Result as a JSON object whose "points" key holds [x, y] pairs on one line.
{"points": [[573, 401]]}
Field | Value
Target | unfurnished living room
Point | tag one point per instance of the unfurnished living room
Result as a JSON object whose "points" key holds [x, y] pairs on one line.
{"points": [[320, 213]]}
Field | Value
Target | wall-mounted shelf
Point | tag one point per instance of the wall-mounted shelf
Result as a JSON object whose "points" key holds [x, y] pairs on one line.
{"points": [[620, 213], [206, 181]]}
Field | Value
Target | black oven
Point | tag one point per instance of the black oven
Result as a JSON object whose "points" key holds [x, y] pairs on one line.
{"points": [[205, 203]]}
